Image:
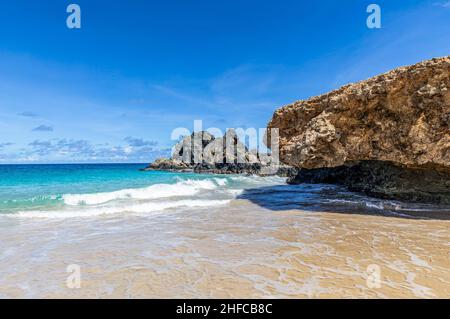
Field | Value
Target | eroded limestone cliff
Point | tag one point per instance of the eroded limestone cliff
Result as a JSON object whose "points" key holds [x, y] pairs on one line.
{"points": [[401, 118]]}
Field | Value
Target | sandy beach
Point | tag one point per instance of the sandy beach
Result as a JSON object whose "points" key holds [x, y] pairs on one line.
{"points": [[239, 251]]}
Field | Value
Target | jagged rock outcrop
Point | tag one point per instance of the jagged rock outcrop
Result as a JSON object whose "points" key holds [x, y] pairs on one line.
{"points": [[168, 164], [399, 118], [228, 149], [203, 153], [190, 148], [384, 180]]}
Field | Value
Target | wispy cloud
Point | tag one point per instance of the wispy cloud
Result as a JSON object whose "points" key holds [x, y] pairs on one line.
{"points": [[43, 128], [2, 145], [139, 142], [28, 114], [248, 79], [183, 95], [242, 93], [72, 150], [442, 4]]}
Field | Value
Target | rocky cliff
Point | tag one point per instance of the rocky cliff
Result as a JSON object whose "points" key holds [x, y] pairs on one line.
{"points": [[201, 152], [398, 121]]}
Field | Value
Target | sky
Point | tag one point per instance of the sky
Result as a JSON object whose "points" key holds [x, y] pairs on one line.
{"points": [[115, 89]]}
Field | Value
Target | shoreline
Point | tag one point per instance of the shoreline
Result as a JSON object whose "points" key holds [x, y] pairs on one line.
{"points": [[240, 251], [220, 236]]}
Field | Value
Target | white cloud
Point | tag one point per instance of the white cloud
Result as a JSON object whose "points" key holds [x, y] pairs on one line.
{"points": [[445, 4], [69, 150], [43, 128]]}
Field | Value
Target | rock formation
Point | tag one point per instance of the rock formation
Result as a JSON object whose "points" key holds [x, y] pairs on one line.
{"points": [[190, 149], [395, 125], [384, 180], [203, 153]]}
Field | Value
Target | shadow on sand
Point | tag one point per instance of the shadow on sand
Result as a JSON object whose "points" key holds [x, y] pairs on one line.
{"points": [[336, 199]]}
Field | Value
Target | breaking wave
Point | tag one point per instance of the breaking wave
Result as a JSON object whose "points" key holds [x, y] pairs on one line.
{"points": [[157, 191], [183, 194], [143, 208]]}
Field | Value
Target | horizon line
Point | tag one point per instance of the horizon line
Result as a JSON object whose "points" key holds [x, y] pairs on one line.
{"points": [[75, 163]]}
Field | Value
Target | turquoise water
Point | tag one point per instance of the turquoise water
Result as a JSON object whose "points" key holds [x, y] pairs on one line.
{"points": [[25, 187], [74, 190], [89, 190]]}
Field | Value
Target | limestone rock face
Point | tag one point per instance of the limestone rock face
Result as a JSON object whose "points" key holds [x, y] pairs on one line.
{"points": [[402, 116]]}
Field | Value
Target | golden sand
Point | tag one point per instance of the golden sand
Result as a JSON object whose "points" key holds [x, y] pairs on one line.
{"points": [[239, 251]]}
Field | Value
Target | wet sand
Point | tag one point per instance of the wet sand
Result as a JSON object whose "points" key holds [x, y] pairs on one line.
{"points": [[239, 251]]}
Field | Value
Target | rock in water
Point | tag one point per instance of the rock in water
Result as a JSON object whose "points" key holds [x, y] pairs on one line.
{"points": [[384, 180], [201, 152], [397, 124], [168, 164], [190, 148]]}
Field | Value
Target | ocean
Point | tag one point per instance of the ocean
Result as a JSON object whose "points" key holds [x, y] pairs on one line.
{"points": [[84, 190], [162, 234]]}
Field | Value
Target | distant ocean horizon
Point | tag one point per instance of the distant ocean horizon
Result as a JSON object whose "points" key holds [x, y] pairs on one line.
{"points": [[75, 163]]}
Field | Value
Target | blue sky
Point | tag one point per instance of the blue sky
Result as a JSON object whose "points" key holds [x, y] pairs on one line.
{"points": [[114, 90]]}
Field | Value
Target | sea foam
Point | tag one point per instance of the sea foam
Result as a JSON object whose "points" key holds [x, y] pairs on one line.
{"points": [[157, 191], [151, 199], [144, 208], [157, 198]]}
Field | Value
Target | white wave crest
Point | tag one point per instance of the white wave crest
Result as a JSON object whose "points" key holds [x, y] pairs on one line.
{"points": [[144, 208], [221, 181], [157, 191], [185, 193]]}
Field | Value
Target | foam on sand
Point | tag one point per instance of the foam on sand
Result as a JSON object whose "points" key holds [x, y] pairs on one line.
{"points": [[144, 208]]}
